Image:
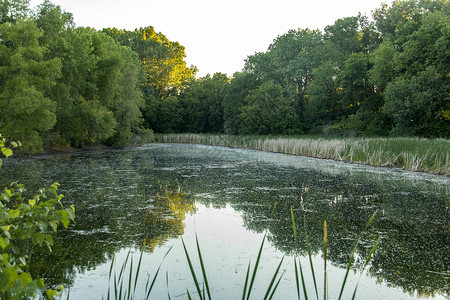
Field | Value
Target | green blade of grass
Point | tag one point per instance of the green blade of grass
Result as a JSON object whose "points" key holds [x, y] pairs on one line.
{"points": [[325, 242], [369, 257], [258, 258], [310, 260], [138, 270], [123, 267], [128, 292], [156, 275], [294, 228], [352, 256], [167, 284], [192, 270], [63, 258], [273, 280], [116, 296], [109, 277], [276, 286], [296, 278], [246, 281], [203, 267], [273, 210]]}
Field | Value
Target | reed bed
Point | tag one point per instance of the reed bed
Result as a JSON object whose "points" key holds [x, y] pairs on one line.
{"points": [[415, 154]]}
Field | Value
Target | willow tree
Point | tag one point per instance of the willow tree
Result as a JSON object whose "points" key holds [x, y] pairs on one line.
{"points": [[25, 77]]}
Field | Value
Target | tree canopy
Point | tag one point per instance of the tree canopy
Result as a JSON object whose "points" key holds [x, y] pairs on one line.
{"points": [[63, 85]]}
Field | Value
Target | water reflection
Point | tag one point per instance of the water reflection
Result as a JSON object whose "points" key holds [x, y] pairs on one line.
{"points": [[131, 197]]}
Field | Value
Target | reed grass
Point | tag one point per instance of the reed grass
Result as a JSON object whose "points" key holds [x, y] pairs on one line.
{"points": [[124, 287], [415, 154], [325, 257]]}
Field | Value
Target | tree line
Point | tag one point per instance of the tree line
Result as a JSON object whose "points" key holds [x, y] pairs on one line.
{"points": [[63, 85]]}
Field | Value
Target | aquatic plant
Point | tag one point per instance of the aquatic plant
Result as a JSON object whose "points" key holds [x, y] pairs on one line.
{"points": [[415, 154], [123, 288], [325, 243]]}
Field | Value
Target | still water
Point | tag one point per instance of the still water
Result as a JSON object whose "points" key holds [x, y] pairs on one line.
{"points": [[160, 193]]}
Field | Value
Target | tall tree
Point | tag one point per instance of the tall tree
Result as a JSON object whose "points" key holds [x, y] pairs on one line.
{"points": [[163, 60], [420, 105], [13, 10], [268, 112], [235, 94], [202, 104], [25, 77], [289, 62]]}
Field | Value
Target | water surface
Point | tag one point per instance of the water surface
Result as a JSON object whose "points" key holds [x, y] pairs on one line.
{"points": [[159, 193]]}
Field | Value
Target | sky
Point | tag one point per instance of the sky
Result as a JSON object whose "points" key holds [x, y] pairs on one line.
{"points": [[218, 35]]}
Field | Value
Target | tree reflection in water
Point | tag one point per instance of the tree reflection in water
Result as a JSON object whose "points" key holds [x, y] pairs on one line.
{"points": [[125, 198]]}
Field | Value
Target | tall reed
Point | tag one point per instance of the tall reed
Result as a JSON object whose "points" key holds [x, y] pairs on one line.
{"points": [[325, 257], [123, 286], [415, 154]]}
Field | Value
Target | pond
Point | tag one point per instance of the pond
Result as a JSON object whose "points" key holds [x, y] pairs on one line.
{"points": [[159, 194]]}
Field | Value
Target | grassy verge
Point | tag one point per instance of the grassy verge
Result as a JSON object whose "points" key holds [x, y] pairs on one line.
{"points": [[415, 154]]}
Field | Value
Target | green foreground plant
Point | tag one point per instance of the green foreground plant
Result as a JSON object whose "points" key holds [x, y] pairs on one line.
{"points": [[24, 221], [325, 244], [125, 289]]}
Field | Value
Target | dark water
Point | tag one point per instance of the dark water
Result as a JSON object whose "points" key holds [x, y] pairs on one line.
{"points": [[160, 193]]}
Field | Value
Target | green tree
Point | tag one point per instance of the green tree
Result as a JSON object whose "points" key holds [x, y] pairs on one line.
{"points": [[383, 66], [164, 116], [344, 34], [98, 97], [13, 10], [268, 111], [25, 77], [289, 62], [234, 99], [419, 105], [202, 104], [163, 60], [322, 107]]}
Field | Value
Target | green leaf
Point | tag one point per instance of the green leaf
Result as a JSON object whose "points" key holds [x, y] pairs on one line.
{"points": [[4, 280], [4, 216], [34, 287], [7, 152], [4, 243], [14, 213], [54, 225], [25, 278], [34, 238], [49, 238], [64, 218], [42, 226]]}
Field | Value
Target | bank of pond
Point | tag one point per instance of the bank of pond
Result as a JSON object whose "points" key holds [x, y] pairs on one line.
{"points": [[414, 154], [158, 194]]}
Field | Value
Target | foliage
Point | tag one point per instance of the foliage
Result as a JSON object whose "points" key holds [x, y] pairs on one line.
{"points": [[25, 77], [13, 10], [234, 98], [163, 60], [67, 86], [267, 111], [26, 222]]}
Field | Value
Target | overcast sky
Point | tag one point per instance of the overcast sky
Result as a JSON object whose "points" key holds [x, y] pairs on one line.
{"points": [[218, 35]]}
